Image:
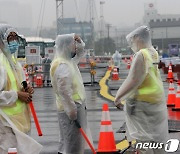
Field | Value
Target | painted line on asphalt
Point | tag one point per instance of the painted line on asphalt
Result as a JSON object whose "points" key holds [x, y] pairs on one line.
{"points": [[123, 144], [104, 89]]}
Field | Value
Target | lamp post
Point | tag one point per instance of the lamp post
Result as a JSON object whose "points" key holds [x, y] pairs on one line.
{"points": [[108, 38], [162, 43], [152, 34]]}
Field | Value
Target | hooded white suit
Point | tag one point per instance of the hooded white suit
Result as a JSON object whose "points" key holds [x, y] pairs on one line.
{"points": [[70, 93], [145, 107], [13, 128]]}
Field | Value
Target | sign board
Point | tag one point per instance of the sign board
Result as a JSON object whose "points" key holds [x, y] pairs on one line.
{"points": [[50, 51], [32, 54], [32, 50]]}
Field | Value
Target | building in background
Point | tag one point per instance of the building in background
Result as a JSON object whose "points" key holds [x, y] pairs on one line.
{"points": [[83, 29], [165, 28]]}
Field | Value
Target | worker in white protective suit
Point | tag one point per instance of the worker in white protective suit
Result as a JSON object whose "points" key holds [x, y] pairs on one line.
{"points": [[70, 92], [15, 122], [117, 59], [143, 93]]}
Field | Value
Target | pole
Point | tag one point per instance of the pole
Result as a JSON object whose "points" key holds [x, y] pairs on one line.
{"points": [[162, 42], [91, 15], [59, 16], [102, 26], [117, 39], [85, 136], [24, 83], [108, 28]]}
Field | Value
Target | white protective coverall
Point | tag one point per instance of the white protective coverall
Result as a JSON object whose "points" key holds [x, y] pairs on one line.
{"points": [[117, 59], [70, 93], [12, 131], [146, 118]]}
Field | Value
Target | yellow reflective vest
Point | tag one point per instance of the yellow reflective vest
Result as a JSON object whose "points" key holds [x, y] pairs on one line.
{"points": [[17, 107], [18, 112], [149, 90], [77, 94]]}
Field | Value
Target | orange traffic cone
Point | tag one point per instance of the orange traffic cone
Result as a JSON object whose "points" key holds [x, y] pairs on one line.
{"points": [[170, 73], [12, 151], [106, 138], [128, 65], [177, 102], [115, 75], [39, 81], [171, 95]]}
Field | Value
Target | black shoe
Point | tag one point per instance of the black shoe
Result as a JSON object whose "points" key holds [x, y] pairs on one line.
{"points": [[60, 153]]}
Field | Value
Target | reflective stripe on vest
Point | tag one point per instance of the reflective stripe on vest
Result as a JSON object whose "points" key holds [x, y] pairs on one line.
{"points": [[149, 89], [18, 106], [76, 97]]}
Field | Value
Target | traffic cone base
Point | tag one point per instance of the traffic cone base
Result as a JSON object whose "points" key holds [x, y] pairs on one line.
{"points": [[104, 136]]}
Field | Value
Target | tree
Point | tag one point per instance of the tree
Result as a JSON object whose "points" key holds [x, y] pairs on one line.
{"points": [[105, 45]]}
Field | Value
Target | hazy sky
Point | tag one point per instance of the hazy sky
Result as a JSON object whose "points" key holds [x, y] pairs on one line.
{"points": [[116, 12]]}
